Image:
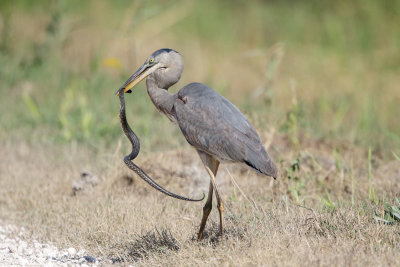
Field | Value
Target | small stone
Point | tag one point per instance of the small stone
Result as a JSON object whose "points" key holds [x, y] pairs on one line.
{"points": [[85, 183], [40, 260], [90, 259], [20, 250], [23, 261], [71, 251], [12, 248], [28, 251], [51, 253], [81, 252], [64, 253]]}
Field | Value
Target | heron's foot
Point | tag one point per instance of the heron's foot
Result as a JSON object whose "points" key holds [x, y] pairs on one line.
{"points": [[200, 236], [206, 211], [221, 216], [221, 231]]}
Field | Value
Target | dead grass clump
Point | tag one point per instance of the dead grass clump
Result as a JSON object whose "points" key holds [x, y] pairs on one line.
{"points": [[145, 245], [235, 230]]}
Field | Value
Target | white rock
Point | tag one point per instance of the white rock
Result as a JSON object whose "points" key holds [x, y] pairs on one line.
{"points": [[28, 251], [50, 252], [64, 253], [81, 252], [38, 252], [20, 250], [23, 261], [40, 260], [12, 248], [71, 251]]}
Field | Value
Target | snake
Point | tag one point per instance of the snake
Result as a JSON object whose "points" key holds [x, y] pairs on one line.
{"points": [[128, 159]]}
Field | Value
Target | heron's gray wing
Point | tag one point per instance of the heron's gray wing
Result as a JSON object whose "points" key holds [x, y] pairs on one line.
{"points": [[214, 125]]}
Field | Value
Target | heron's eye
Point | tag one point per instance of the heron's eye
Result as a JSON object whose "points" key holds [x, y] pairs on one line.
{"points": [[151, 60]]}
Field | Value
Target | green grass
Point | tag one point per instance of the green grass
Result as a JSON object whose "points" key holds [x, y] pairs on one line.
{"points": [[345, 56]]}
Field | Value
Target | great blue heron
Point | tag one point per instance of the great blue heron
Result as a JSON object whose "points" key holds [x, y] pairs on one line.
{"points": [[210, 123]]}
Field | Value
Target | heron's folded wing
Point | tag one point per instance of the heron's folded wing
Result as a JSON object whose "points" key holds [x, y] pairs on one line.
{"points": [[212, 124]]}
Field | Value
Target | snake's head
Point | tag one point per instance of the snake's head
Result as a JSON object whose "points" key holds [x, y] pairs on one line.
{"points": [[121, 91]]}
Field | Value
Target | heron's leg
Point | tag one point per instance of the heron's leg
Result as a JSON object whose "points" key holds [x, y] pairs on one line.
{"points": [[220, 203], [206, 211], [211, 164]]}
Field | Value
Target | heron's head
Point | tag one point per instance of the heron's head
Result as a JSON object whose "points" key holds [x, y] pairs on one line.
{"points": [[164, 65]]}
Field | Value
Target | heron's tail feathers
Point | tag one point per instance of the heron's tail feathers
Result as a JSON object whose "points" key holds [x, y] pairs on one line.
{"points": [[263, 164]]}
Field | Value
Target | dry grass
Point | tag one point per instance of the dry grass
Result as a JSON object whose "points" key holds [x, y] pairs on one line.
{"points": [[326, 73], [267, 223]]}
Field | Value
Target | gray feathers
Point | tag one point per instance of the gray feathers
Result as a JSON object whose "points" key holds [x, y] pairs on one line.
{"points": [[214, 125]]}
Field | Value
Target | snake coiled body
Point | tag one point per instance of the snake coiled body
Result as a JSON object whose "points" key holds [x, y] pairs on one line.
{"points": [[135, 151]]}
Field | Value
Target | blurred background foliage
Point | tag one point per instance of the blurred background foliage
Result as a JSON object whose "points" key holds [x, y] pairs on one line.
{"points": [[325, 69]]}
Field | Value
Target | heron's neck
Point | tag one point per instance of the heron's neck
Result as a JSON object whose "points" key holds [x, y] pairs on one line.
{"points": [[161, 98]]}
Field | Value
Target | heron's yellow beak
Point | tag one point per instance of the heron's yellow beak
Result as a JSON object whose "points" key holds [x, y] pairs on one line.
{"points": [[144, 71]]}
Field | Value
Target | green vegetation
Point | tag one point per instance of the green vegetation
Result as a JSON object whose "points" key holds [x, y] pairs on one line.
{"points": [[61, 66], [390, 214]]}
